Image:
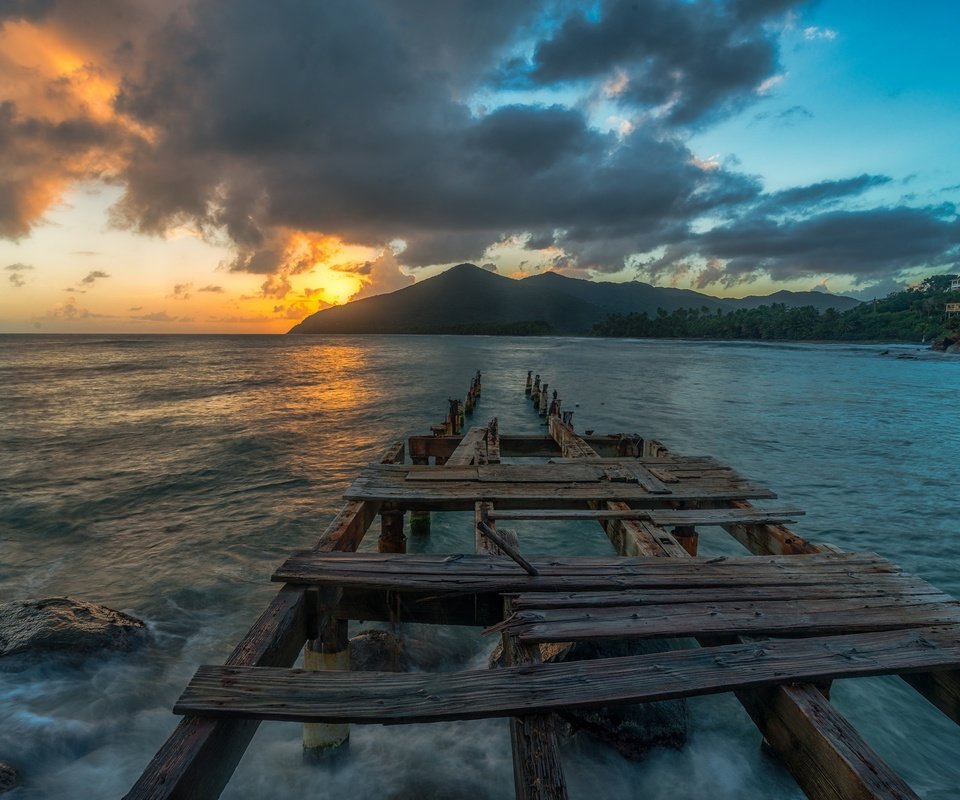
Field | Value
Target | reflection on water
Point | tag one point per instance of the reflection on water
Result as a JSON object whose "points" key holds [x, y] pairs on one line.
{"points": [[167, 476]]}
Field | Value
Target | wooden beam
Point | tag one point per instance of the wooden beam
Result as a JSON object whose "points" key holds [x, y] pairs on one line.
{"points": [[377, 697], [537, 770], [796, 720]]}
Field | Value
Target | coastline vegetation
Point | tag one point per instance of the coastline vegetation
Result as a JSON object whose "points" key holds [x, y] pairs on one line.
{"points": [[913, 315]]}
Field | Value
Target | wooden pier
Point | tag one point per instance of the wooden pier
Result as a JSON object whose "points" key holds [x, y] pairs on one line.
{"points": [[774, 627]]}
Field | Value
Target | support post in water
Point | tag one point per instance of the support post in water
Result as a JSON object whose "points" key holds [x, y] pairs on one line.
{"points": [[391, 539], [542, 400], [529, 387], [535, 391], [687, 537], [329, 652]]}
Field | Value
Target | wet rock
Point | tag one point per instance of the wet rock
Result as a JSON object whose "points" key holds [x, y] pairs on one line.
{"points": [[378, 651], [633, 730], [943, 343], [65, 626], [9, 777], [953, 349]]}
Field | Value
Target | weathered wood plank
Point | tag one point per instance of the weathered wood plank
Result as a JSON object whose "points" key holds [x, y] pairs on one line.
{"points": [[879, 586], [461, 573], [466, 451], [793, 617], [661, 517], [298, 695]]}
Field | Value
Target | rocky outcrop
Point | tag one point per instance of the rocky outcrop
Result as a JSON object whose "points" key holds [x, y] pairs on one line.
{"points": [[65, 626], [633, 730], [944, 343], [9, 777]]}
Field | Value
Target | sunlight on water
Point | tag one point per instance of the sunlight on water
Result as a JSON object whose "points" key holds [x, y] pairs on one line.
{"points": [[168, 476]]}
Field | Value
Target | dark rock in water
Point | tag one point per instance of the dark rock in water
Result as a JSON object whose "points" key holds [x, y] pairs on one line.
{"points": [[953, 349], [633, 730], [65, 626], [943, 343], [378, 651], [9, 777]]}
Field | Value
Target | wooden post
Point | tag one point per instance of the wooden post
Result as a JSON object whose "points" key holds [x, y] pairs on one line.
{"points": [[391, 538], [330, 651], [687, 536], [542, 400], [535, 391], [529, 387], [554, 410]]}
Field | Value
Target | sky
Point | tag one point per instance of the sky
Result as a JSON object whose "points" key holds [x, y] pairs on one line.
{"points": [[215, 166]]}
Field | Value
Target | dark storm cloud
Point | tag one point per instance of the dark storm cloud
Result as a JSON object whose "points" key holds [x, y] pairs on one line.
{"points": [[818, 194], [24, 9], [701, 57], [353, 120], [867, 245]]}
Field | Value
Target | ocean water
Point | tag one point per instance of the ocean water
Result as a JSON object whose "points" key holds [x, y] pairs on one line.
{"points": [[168, 477]]}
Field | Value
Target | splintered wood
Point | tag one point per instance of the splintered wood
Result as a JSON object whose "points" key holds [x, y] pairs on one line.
{"points": [[771, 626]]}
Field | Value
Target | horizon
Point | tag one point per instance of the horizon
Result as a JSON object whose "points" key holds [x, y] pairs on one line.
{"points": [[199, 171]]}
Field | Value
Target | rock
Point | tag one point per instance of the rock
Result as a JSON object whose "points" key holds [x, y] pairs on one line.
{"points": [[378, 651], [953, 349], [633, 730], [943, 342], [66, 626], [9, 777]]}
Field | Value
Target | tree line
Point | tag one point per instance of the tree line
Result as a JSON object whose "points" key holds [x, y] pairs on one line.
{"points": [[913, 315]]}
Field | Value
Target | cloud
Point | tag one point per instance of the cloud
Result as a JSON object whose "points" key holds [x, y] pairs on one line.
{"points": [[694, 60], [92, 277], [181, 291], [16, 276], [812, 33], [296, 130], [70, 310], [211, 288], [378, 276], [159, 316]]}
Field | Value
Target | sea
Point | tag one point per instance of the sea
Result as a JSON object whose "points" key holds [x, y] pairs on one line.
{"points": [[168, 476]]}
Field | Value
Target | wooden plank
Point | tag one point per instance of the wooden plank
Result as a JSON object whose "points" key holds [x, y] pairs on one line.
{"points": [[466, 451], [466, 573], [462, 496], [792, 617], [879, 586], [376, 697], [662, 517]]}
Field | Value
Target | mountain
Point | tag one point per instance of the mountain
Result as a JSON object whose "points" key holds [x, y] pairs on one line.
{"points": [[468, 299]]}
